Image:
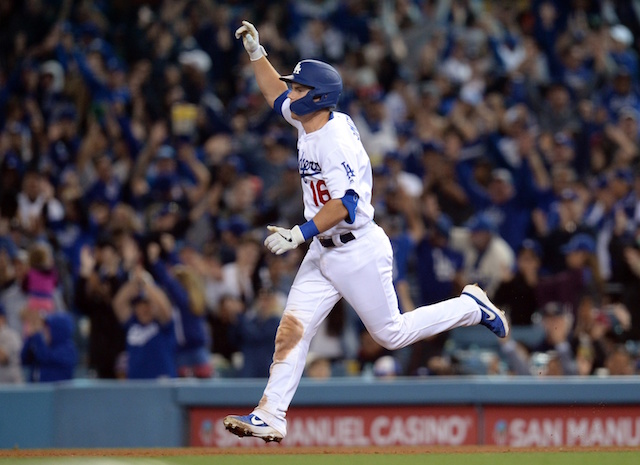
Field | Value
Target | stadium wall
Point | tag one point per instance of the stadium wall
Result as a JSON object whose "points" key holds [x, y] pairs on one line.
{"points": [[341, 411]]}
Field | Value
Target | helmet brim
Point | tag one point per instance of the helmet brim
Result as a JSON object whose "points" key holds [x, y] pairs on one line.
{"points": [[291, 79]]}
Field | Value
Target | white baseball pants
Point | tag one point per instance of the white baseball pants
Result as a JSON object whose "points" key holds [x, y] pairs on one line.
{"points": [[361, 272]]}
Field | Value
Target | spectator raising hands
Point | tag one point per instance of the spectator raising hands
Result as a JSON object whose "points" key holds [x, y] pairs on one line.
{"points": [[99, 279], [145, 312]]}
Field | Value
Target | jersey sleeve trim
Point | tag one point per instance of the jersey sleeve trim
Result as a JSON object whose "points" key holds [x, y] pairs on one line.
{"points": [[277, 104], [350, 201]]}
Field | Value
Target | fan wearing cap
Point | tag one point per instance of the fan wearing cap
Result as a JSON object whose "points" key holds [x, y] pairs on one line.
{"points": [[195, 88], [440, 268], [619, 92], [564, 218], [63, 141], [375, 125], [581, 274], [622, 49], [145, 312], [557, 321], [488, 259], [164, 181], [440, 275], [567, 202]]}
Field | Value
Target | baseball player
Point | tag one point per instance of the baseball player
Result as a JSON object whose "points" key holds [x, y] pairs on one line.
{"points": [[349, 255]]}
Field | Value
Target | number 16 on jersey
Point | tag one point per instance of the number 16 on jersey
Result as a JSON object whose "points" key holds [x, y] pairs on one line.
{"points": [[320, 192]]}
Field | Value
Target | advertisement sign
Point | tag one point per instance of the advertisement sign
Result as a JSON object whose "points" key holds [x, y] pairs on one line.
{"points": [[509, 426], [349, 426], [554, 426]]}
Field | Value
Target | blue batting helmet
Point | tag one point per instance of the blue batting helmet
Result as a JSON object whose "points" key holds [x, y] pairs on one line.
{"points": [[325, 83]]}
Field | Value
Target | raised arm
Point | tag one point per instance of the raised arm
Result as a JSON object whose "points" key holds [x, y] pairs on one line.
{"points": [[160, 301], [267, 77], [122, 300]]}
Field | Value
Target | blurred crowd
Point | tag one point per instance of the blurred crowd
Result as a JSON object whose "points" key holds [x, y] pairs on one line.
{"points": [[140, 165]]}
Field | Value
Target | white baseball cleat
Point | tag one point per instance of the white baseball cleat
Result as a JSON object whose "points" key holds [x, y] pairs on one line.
{"points": [[251, 425], [492, 317]]}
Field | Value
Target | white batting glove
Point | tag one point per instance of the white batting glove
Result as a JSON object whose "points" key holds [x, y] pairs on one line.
{"points": [[251, 40], [282, 240]]}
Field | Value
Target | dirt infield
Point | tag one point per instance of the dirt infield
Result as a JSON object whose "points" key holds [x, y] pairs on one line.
{"points": [[183, 451]]}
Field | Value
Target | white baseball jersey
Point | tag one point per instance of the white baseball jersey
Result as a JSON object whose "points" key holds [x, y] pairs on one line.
{"points": [[331, 161]]}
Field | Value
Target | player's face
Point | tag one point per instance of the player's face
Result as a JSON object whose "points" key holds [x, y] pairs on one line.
{"points": [[298, 91]]}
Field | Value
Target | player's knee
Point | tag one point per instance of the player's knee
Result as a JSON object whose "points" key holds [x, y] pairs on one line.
{"points": [[391, 345], [289, 334], [389, 340]]}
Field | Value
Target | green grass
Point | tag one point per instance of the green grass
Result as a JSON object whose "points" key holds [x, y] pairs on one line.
{"points": [[505, 458]]}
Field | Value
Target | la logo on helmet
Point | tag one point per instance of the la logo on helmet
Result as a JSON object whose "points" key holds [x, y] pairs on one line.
{"points": [[297, 69]]}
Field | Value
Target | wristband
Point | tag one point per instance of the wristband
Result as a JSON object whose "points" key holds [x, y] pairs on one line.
{"points": [[258, 53], [309, 229]]}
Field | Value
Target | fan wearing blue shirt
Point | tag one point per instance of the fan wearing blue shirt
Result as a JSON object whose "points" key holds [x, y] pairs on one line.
{"points": [[146, 314], [439, 268]]}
